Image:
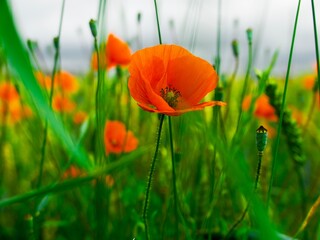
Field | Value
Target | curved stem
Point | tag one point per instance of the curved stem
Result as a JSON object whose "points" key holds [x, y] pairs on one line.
{"points": [[316, 42], [158, 23], [274, 162], [98, 97], [175, 198], [218, 58], [151, 172], [55, 67], [245, 85], [236, 224], [228, 94]]}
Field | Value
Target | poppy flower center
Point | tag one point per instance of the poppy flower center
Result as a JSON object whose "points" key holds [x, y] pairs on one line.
{"points": [[170, 95]]}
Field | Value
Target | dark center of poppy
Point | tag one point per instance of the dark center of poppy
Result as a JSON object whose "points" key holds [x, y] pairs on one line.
{"points": [[170, 95]]}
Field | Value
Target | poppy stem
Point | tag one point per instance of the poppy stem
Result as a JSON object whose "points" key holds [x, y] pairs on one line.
{"points": [[151, 172], [175, 198], [246, 80], [45, 131], [316, 43], [98, 97], [277, 143], [158, 23], [218, 57]]}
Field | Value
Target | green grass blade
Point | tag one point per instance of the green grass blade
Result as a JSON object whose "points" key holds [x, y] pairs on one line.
{"points": [[72, 183], [20, 63]]}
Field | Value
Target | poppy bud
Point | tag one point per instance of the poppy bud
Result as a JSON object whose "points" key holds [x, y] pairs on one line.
{"points": [[30, 45], [139, 17], [93, 28], [235, 48], [249, 35], [56, 43], [261, 138]]}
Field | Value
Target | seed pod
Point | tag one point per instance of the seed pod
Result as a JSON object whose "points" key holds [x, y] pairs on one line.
{"points": [[261, 138], [93, 27]]}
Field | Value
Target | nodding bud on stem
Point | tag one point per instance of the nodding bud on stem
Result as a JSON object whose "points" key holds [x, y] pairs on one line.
{"points": [[93, 28], [235, 48], [31, 44], [139, 17], [261, 138], [56, 43], [249, 35]]}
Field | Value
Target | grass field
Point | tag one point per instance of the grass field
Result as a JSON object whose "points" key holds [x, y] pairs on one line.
{"points": [[155, 144]]}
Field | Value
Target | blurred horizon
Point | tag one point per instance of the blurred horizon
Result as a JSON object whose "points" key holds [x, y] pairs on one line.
{"points": [[192, 24]]}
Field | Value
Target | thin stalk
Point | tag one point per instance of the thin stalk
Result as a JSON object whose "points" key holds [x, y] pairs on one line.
{"points": [[309, 117], [274, 162], [246, 80], [308, 218], [316, 42], [228, 95], [56, 59], [299, 173], [236, 224], [218, 58], [150, 178], [158, 23], [175, 198], [97, 106]]}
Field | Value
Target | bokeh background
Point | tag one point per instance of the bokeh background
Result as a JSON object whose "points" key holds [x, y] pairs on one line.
{"points": [[191, 23]]}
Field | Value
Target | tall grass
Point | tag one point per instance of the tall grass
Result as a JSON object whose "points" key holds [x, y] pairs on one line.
{"points": [[207, 180]]}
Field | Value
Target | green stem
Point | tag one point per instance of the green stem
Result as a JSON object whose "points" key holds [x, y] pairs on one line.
{"points": [[316, 42], [299, 173], [56, 58], [228, 94], [175, 198], [158, 23], [260, 154], [218, 58], [236, 224], [150, 178], [246, 80], [97, 106], [274, 162]]}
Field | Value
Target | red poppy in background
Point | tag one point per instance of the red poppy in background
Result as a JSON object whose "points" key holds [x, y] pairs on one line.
{"points": [[66, 82], [62, 104], [8, 92], [262, 109], [169, 79], [309, 81], [117, 52], [117, 139], [79, 117], [44, 80]]}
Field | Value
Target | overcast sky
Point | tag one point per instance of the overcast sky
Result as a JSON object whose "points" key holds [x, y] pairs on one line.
{"points": [[195, 27]]}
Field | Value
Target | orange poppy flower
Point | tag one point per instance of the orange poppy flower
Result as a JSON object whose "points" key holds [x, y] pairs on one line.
{"points": [[117, 139], [8, 92], [80, 117], [309, 81], [169, 79], [44, 80], [66, 82], [13, 112], [117, 52], [72, 172], [263, 109], [62, 104]]}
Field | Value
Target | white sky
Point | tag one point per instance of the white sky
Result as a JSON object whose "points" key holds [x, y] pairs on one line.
{"points": [[195, 21]]}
